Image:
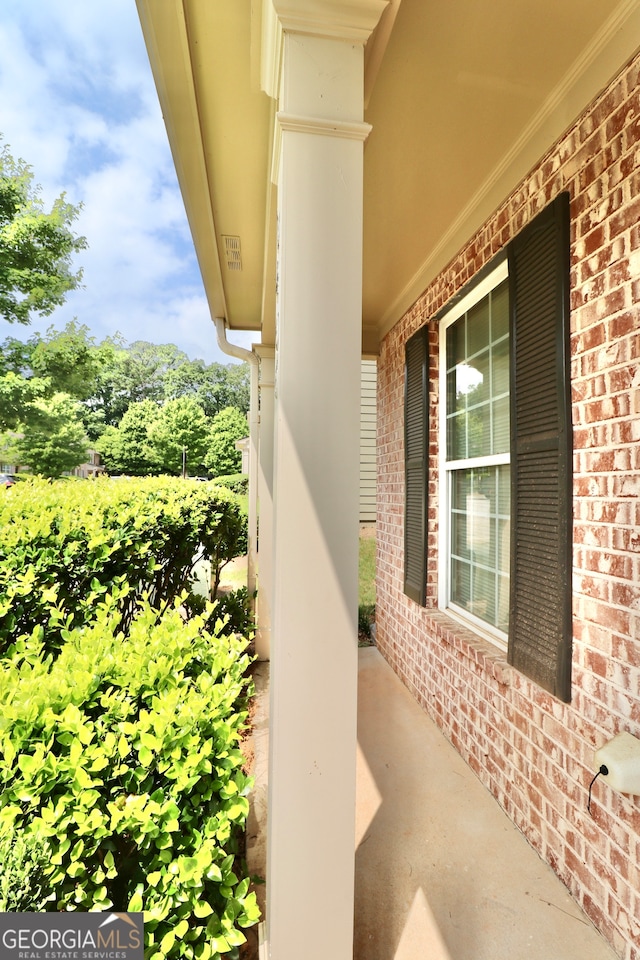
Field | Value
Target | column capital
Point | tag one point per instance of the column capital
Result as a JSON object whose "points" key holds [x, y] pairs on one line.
{"points": [[267, 354], [353, 20], [266, 351]]}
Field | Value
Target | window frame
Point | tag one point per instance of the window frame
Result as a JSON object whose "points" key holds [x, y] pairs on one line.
{"points": [[485, 283]]}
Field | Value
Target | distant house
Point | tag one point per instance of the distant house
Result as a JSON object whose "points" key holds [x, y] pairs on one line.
{"points": [[368, 468], [92, 468], [455, 190]]}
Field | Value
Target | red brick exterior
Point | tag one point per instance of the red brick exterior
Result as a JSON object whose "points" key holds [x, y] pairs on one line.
{"points": [[533, 752]]}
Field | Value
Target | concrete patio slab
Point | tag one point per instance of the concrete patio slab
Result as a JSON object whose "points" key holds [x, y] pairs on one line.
{"points": [[441, 872]]}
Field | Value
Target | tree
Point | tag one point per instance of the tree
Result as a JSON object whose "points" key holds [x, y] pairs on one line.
{"points": [[215, 386], [130, 374], [127, 448], [67, 361], [36, 247], [222, 457], [15, 356], [69, 358], [51, 437], [110, 376], [180, 426], [16, 396], [147, 367]]}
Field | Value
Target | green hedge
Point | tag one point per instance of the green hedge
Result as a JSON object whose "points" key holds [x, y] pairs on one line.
{"points": [[236, 482], [121, 758], [64, 546]]}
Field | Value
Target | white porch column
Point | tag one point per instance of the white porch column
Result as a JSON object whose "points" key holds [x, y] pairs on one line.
{"points": [[314, 640], [265, 500]]}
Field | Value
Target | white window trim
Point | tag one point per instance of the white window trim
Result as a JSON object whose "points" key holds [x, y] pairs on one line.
{"points": [[496, 637]]}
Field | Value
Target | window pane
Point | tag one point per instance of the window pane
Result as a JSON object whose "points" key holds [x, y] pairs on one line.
{"points": [[479, 571], [455, 399], [500, 417], [480, 369], [504, 492], [455, 348], [461, 582], [478, 379], [500, 368], [479, 431], [500, 311], [478, 331], [459, 537], [457, 437]]}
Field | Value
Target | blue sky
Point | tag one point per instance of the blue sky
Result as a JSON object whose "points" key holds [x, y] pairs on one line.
{"points": [[78, 104]]}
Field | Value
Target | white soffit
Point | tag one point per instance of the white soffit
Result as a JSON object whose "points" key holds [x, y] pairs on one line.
{"points": [[464, 99], [460, 113], [219, 126]]}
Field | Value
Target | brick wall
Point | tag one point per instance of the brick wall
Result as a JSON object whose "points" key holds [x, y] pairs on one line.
{"points": [[534, 753]]}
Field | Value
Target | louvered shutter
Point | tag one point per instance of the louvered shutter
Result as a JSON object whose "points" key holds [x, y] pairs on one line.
{"points": [[541, 449], [416, 430]]}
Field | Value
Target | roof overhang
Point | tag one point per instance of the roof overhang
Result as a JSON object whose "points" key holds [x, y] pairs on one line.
{"points": [[464, 99]]}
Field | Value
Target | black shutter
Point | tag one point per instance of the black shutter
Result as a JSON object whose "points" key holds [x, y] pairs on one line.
{"points": [[541, 450], [416, 451]]}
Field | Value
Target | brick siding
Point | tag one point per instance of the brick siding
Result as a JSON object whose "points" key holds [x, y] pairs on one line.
{"points": [[533, 752]]}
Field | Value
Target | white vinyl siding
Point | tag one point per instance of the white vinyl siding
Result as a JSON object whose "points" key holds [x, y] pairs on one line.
{"points": [[368, 383]]}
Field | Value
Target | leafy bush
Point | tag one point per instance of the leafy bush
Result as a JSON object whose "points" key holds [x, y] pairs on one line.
{"points": [[123, 753], [236, 482], [366, 618], [235, 610], [64, 546], [23, 886]]}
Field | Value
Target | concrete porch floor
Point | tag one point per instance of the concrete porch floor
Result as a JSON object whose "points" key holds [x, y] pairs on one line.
{"points": [[441, 872]]}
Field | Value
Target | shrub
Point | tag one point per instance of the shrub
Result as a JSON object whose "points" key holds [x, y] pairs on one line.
{"points": [[23, 886], [236, 482], [235, 610], [366, 618], [123, 753], [64, 546]]}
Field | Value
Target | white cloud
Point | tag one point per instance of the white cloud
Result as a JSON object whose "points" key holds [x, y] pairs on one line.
{"points": [[79, 105]]}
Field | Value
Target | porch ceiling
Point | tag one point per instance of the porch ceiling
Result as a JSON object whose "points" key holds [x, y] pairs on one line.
{"points": [[463, 98]]}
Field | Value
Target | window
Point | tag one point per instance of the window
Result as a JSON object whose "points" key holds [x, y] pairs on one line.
{"points": [[505, 524], [474, 471]]}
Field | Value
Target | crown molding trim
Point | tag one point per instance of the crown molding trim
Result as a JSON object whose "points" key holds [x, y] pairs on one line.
{"points": [[344, 129], [352, 20]]}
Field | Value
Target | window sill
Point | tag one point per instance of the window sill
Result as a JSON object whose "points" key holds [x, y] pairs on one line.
{"points": [[489, 658]]}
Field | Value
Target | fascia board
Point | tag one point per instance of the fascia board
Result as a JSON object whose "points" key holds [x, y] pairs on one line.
{"points": [[165, 34]]}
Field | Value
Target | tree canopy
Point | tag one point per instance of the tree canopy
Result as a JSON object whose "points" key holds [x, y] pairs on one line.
{"points": [[222, 457], [36, 245], [128, 448], [141, 405], [181, 429], [51, 437]]}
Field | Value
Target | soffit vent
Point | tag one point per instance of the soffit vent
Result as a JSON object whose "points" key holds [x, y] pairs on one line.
{"points": [[232, 252]]}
